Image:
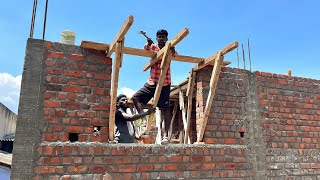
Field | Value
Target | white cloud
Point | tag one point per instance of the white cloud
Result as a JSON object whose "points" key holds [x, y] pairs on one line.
{"points": [[127, 91], [10, 91]]}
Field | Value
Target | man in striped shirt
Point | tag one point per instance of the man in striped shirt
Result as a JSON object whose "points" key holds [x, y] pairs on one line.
{"points": [[147, 92]]}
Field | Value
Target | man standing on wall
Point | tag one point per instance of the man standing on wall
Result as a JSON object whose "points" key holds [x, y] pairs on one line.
{"points": [[147, 92], [124, 127]]}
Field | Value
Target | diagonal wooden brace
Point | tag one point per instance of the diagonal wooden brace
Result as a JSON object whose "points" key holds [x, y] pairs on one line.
{"points": [[124, 29], [164, 68], [159, 55], [211, 60], [213, 85]]}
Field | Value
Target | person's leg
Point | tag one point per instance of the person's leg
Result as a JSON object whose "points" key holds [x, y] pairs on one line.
{"points": [[164, 104], [143, 96], [166, 118]]}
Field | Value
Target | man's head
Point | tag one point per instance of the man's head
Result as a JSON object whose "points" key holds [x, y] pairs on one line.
{"points": [[162, 37], [122, 101]]}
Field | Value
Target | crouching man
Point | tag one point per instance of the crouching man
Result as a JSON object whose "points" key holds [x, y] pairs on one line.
{"points": [[124, 127]]}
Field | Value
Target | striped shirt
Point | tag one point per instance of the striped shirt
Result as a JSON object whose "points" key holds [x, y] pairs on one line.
{"points": [[156, 68]]}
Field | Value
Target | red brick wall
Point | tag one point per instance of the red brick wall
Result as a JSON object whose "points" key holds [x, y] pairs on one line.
{"points": [[76, 97], [290, 117], [226, 119], [277, 114]]}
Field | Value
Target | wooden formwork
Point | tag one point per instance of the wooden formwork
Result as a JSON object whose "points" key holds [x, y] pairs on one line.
{"points": [[178, 93]]}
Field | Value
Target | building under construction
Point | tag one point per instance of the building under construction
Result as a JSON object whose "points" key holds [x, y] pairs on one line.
{"points": [[227, 123]]}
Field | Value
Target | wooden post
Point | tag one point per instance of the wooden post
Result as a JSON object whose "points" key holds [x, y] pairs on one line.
{"points": [[213, 85], [183, 110], [189, 109], [124, 29], [164, 68], [114, 87], [158, 124]]}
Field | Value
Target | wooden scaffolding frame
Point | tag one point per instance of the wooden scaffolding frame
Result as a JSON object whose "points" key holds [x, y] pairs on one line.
{"points": [[117, 47]]}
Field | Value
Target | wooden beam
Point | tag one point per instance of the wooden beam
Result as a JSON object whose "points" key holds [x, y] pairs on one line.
{"points": [[143, 53], [164, 68], [173, 42], [213, 85], [211, 60], [124, 29], [114, 87], [189, 108], [176, 91]]}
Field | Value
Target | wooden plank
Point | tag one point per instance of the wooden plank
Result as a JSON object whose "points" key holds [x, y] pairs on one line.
{"points": [[173, 42], [174, 113], [176, 91], [143, 53], [213, 85], [178, 86], [124, 29], [211, 59], [158, 125], [183, 110], [164, 64], [119, 48], [189, 108], [114, 87]]}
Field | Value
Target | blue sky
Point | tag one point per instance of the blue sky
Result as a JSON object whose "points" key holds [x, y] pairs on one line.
{"points": [[284, 34]]}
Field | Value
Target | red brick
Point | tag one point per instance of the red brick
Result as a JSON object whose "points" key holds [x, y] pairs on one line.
{"points": [[102, 76], [170, 167], [57, 55], [127, 168], [71, 105], [304, 117], [99, 91], [77, 169], [51, 137], [75, 89], [98, 169], [100, 107], [49, 62], [74, 129], [105, 60], [54, 71], [76, 57], [99, 138], [48, 45], [282, 82], [45, 169], [73, 73], [230, 141], [208, 166], [52, 104], [143, 168]]}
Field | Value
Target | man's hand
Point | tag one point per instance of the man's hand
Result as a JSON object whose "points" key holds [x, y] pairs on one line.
{"points": [[173, 50], [149, 41], [151, 110]]}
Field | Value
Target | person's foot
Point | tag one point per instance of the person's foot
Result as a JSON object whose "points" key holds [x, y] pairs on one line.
{"points": [[165, 141]]}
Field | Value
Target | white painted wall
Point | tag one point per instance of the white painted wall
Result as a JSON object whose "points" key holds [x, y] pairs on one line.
{"points": [[8, 121]]}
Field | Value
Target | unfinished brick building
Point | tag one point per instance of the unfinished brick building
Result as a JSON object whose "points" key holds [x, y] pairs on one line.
{"points": [[260, 125]]}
